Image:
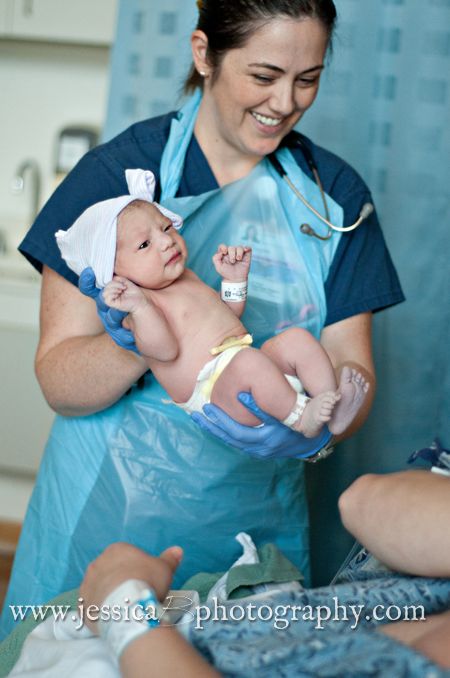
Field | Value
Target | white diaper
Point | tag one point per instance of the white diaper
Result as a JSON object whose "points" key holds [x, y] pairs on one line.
{"points": [[210, 372], [206, 379]]}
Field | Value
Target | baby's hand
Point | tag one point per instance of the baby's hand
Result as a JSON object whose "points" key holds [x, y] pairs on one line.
{"points": [[233, 262], [121, 293]]}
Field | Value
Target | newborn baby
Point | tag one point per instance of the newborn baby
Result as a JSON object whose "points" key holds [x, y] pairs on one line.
{"points": [[180, 323]]}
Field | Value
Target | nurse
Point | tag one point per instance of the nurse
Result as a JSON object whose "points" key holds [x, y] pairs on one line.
{"points": [[120, 460]]}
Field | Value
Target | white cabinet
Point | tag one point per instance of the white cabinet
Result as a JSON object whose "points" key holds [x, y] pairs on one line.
{"points": [[6, 9], [89, 22], [25, 417]]}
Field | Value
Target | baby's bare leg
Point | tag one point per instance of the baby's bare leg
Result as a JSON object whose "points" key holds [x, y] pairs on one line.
{"points": [[252, 370], [298, 353]]}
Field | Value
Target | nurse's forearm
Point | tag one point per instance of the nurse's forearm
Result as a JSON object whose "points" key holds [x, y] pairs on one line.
{"points": [[83, 375], [79, 368]]}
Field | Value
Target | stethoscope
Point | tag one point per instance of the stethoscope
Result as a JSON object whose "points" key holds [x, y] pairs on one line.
{"points": [[307, 229]]}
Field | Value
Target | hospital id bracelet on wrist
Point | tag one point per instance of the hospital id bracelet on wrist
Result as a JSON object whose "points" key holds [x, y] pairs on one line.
{"points": [[233, 291], [131, 610]]}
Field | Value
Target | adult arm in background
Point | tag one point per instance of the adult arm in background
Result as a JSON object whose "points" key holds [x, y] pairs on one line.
{"points": [[402, 518], [79, 367], [161, 651]]}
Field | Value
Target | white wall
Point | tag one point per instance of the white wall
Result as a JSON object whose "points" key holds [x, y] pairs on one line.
{"points": [[44, 86]]}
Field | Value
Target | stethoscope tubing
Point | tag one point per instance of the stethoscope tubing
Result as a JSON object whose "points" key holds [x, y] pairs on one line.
{"points": [[366, 210]]}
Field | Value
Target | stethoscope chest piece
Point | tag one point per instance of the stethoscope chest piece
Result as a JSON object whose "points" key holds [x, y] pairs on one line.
{"points": [[306, 229]]}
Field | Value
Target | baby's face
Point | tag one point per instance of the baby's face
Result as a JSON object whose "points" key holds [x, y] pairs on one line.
{"points": [[150, 252]]}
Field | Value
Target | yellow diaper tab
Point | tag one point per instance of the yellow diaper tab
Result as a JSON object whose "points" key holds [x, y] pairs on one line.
{"points": [[225, 354], [210, 372], [245, 340]]}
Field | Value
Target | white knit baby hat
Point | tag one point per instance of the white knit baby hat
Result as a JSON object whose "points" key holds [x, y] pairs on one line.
{"points": [[91, 240]]}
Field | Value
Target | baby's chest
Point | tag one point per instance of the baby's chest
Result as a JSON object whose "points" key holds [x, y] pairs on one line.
{"points": [[187, 302]]}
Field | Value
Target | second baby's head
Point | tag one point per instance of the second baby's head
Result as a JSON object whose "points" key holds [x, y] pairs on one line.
{"points": [[150, 252]]}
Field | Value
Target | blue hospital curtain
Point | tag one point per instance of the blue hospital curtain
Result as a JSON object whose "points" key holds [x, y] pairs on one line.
{"points": [[383, 106], [150, 58]]}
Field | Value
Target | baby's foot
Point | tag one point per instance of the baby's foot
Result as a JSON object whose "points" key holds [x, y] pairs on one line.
{"points": [[353, 388], [317, 412]]}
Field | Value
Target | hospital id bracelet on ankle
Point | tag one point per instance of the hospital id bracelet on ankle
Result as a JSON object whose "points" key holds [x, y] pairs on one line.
{"points": [[233, 291], [131, 610]]}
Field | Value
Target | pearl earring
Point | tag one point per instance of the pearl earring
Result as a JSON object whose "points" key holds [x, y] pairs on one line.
{"points": [[202, 73]]}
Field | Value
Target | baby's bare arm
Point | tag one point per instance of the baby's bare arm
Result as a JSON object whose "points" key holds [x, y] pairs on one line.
{"points": [[233, 264], [153, 335]]}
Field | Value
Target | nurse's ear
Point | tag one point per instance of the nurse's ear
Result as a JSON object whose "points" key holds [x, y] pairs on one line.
{"points": [[199, 45]]}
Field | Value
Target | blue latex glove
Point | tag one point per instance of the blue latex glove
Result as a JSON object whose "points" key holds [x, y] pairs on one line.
{"points": [[273, 440], [110, 317]]}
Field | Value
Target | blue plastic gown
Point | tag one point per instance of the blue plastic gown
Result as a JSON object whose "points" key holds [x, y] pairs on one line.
{"points": [[142, 471]]}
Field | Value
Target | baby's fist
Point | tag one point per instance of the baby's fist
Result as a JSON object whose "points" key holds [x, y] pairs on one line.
{"points": [[124, 295], [233, 262], [233, 253]]}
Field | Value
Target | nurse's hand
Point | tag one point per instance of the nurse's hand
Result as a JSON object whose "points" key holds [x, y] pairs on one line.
{"points": [[110, 317], [273, 440]]}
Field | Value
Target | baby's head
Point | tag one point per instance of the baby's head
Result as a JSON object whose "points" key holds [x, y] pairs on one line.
{"points": [[105, 237], [150, 252]]}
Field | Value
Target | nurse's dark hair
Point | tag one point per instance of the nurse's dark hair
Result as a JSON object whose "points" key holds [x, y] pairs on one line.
{"points": [[228, 24]]}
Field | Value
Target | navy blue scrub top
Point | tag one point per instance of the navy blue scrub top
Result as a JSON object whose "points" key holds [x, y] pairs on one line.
{"points": [[361, 278]]}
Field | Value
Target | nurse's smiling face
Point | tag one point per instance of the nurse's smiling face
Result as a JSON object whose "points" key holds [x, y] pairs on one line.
{"points": [[262, 89]]}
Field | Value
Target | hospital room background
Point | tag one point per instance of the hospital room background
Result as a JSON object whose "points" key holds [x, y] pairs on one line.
{"points": [[73, 74]]}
